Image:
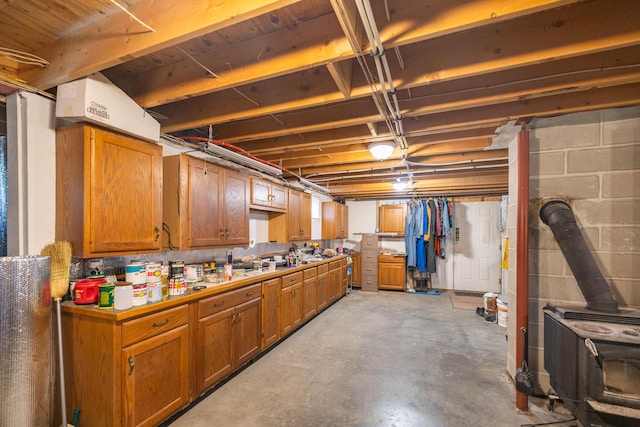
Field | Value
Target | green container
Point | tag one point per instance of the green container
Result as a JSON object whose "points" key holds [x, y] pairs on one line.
{"points": [[105, 295]]}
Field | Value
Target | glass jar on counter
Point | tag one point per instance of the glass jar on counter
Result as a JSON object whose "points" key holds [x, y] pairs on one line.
{"points": [[123, 296]]}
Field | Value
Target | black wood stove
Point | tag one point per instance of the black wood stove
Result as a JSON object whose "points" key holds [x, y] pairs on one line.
{"points": [[592, 353]]}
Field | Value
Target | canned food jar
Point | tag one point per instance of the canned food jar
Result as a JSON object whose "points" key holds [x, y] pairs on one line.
{"points": [[105, 295], [139, 294], [154, 272], [123, 296], [136, 274], [154, 292], [176, 268]]}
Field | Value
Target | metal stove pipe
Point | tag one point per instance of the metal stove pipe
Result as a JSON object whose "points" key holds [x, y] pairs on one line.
{"points": [[594, 287]]}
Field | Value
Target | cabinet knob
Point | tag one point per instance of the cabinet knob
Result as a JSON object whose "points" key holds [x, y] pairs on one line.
{"points": [[157, 231], [131, 364]]}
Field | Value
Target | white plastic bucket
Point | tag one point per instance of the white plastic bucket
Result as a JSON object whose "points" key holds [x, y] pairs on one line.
{"points": [[503, 313]]}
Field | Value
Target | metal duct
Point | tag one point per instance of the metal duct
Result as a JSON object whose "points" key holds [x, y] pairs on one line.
{"points": [[595, 289], [25, 347]]}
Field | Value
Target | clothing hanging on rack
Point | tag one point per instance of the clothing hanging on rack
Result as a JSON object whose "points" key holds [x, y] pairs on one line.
{"points": [[427, 225]]}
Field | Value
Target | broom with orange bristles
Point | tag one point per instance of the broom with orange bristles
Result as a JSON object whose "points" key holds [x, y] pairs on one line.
{"points": [[60, 254]]}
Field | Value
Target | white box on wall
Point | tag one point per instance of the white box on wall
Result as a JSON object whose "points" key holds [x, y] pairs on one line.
{"points": [[95, 99]]}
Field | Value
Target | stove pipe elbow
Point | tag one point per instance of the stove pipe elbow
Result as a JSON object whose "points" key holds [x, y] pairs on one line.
{"points": [[594, 287]]}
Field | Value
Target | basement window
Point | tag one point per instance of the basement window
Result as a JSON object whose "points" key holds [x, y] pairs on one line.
{"points": [[315, 207]]}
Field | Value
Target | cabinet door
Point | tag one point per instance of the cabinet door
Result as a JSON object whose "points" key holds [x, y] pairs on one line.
{"points": [[270, 312], [279, 197], [286, 310], [203, 216], [335, 283], [392, 218], [293, 214], [125, 194], [291, 310], [236, 208], [356, 267], [310, 290], [329, 220], [391, 276], [247, 331], [214, 349], [158, 363], [305, 216], [260, 192], [344, 221], [322, 295]]}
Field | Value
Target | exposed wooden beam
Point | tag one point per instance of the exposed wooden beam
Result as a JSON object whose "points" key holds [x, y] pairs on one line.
{"points": [[118, 38], [185, 79], [575, 73], [361, 112]]}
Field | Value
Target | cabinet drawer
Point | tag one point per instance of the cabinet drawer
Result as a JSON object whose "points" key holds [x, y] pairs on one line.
{"points": [[249, 293], [324, 268], [153, 324], [369, 268], [335, 264], [310, 272], [291, 279], [368, 257], [391, 258], [369, 240], [216, 304]]}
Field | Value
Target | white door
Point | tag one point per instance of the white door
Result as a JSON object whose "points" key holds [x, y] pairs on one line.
{"points": [[477, 257]]}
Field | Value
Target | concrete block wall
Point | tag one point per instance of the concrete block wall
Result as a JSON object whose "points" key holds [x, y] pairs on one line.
{"points": [[592, 161]]}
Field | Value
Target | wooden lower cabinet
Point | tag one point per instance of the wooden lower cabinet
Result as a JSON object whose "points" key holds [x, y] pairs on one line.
{"points": [[291, 308], [140, 366], [336, 283], [271, 290], [392, 274], [310, 286], [157, 363], [322, 290], [356, 267], [228, 335]]}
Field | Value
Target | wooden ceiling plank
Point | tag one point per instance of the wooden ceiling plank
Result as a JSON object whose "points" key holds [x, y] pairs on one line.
{"points": [[313, 43], [354, 112], [448, 18], [314, 90], [93, 49], [180, 81], [312, 87]]}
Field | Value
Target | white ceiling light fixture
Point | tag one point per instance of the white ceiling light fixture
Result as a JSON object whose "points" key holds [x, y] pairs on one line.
{"points": [[399, 185], [381, 150]]}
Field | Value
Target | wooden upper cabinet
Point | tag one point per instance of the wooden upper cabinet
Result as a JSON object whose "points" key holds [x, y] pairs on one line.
{"points": [[108, 192], [295, 224], [300, 223], [236, 208], [204, 205], [335, 220], [266, 195], [392, 218]]}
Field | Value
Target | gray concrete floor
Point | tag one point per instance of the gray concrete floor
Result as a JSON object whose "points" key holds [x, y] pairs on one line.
{"points": [[377, 359]]}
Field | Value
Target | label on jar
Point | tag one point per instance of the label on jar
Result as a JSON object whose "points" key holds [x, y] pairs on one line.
{"points": [[154, 272], [154, 292], [140, 294]]}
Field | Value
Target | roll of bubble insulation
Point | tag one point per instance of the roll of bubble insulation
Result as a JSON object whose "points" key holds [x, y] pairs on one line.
{"points": [[26, 363]]}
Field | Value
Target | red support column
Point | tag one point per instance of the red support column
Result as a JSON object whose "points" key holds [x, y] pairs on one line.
{"points": [[522, 255]]}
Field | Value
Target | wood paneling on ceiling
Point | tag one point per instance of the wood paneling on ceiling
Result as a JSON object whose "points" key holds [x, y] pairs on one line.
{"points": [[296, 83]]}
